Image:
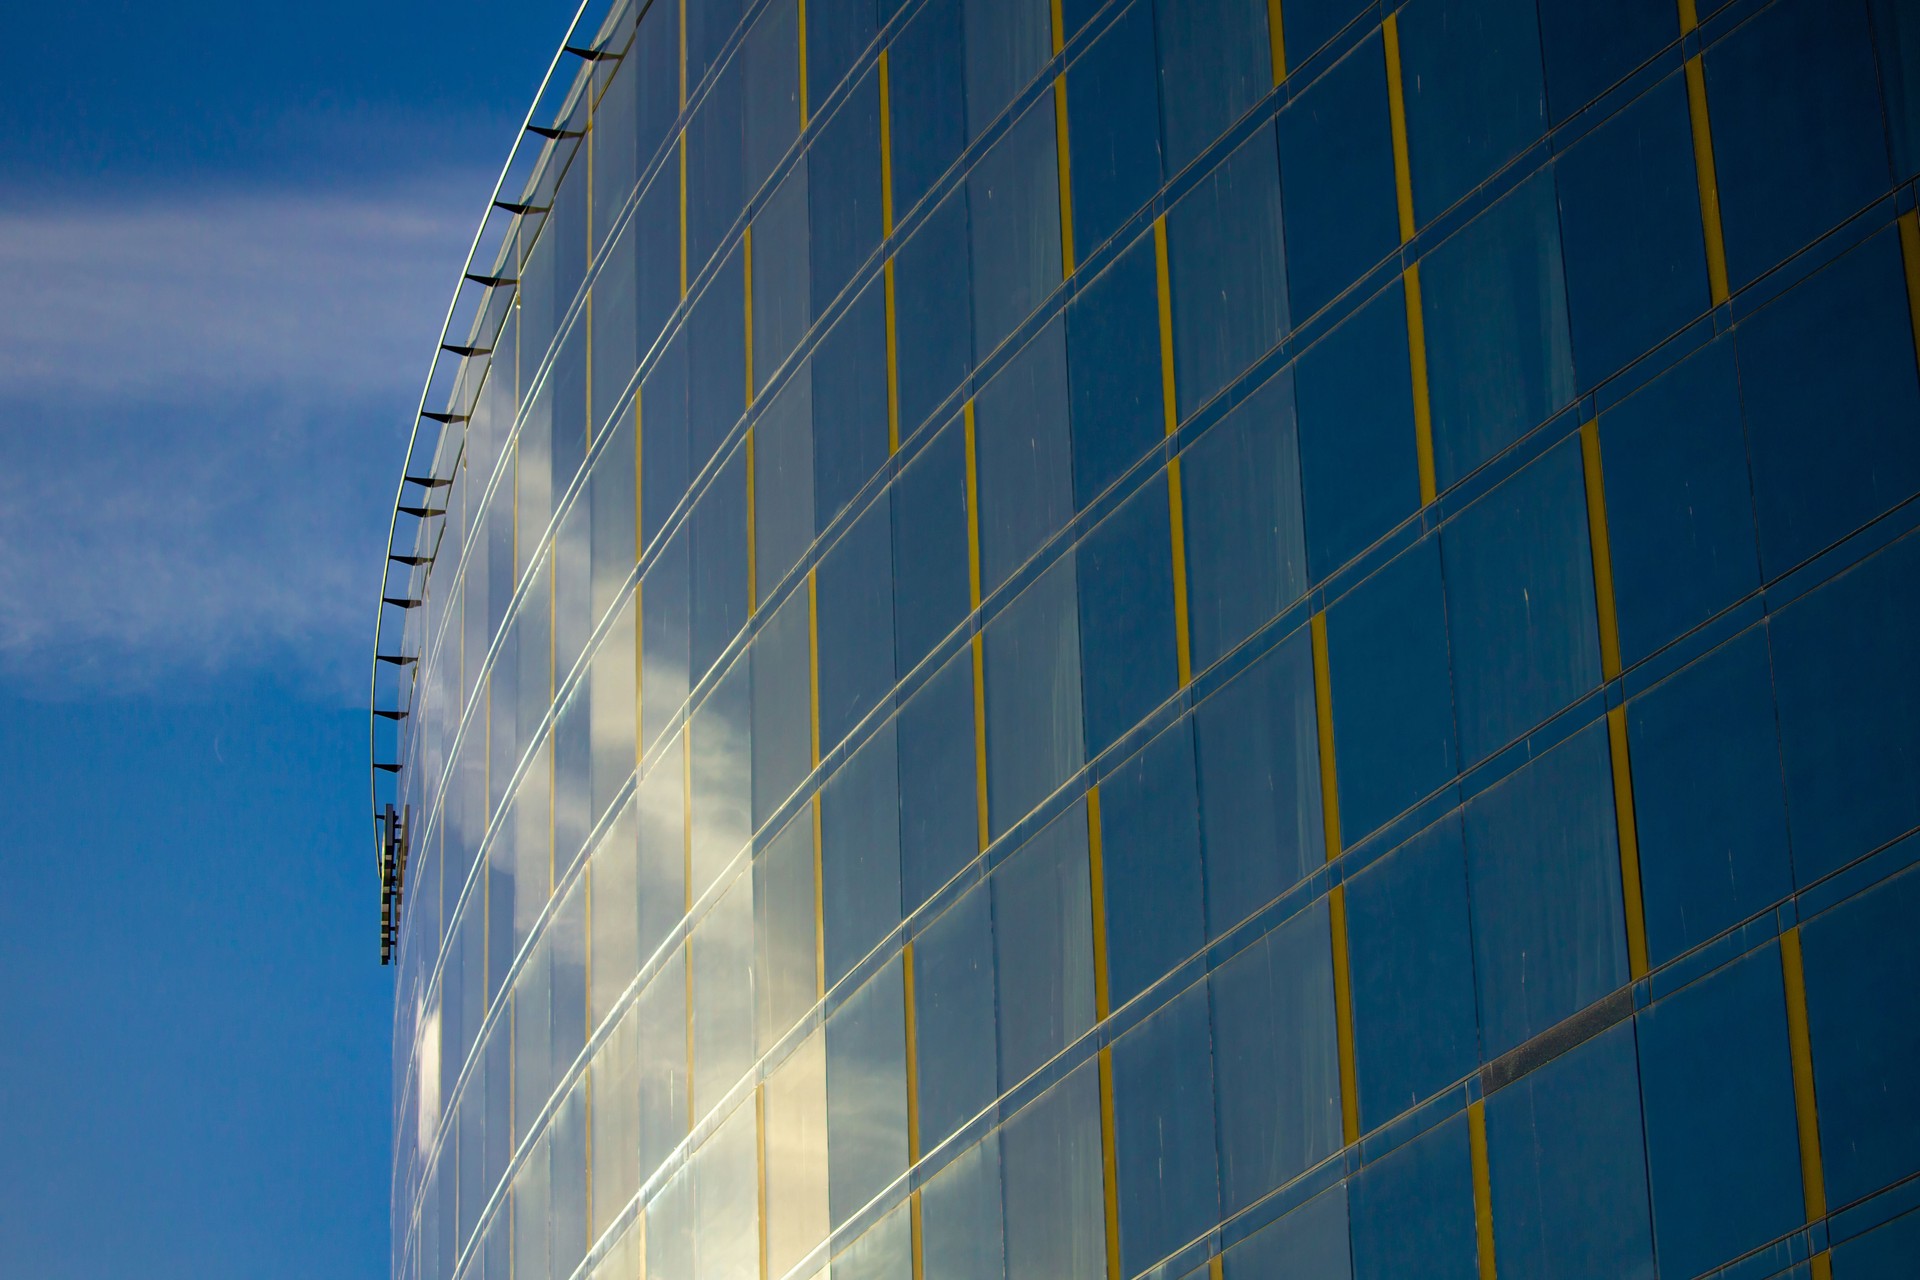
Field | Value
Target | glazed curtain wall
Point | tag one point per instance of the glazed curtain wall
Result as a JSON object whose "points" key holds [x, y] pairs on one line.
{"points": [[1181, 636]]}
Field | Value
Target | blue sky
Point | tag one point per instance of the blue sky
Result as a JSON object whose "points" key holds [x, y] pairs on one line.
{"points": [[227, 233]]}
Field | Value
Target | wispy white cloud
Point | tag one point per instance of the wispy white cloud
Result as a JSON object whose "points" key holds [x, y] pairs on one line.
{"points": [[203, 406]]}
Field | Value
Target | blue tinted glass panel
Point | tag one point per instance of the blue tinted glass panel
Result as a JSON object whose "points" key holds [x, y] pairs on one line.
{"points": [[1880, 1254], [1055, 1219], [866, 1093], [1549, 934], [1410, 942], [850, 373], [1589, 48], [1257, 748], [1113, 127], [717, 360], [657, 44], [1242, 518], [924, 95], [844, 164], [1630, 222], [930, 545], [1035, 738], [1849, 694], [1025, 456], [1498, 356], [957, 1072], [772, 80], [781, 308], [1150, 856], [1707, 800], [1043, 946], [838, 31], [1313, 1240], [933, 312], [1214, 65], [855, 590], [938, 821], [1276, 1066], [1896, 35], [1007, 42], [1359, 466], [1799, 141], [1722, 1152], [1679, 501], [716, 142], [1336, 157], [1863, 1018], [782, 484], [1568, 1167], [1827, 377], [1013, 194], [1470, 70], [1413, 1210], [782, 724], [1228, 271], [708, 26], [1392, 692], [860, 853], [783, 930], [1169, 1178], [657, 226], [962, 1236], [1520, 603], [665, 607], [662, 811], [1113, 370], [720, 747], [718, 543], [1128, 663]]}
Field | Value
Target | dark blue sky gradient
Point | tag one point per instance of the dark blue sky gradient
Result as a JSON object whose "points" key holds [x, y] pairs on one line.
{"points": [[228, 232]]}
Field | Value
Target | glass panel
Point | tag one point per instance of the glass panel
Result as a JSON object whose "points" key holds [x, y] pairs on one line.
{"points": [[1043, 946], [796, 1102], [925, 98], [850, 374], [866, 1093], [933, 310], [860, 853], [953, 981], [1032, 661], [1150, 860], [1113, 127], [723, 995], [1412, 1209], [1055, 1223], [1025, 457], [661, 807], [1169, 1180], [1214, 65], [666, 609], [1311, 1241], [615, 330], [612, 918], [569, 1180], [1587, 49], [772, 78], [718, 547], [670, 1230], [1470, 70], [1543, 866], [613, 549], [568, 934], [615, 1075], [838, 31], [533, 1070], [1013, 193], [930, 546], [532, 1200], [1008, 41], [1127, 649], [782, 307], [844, 163], [1336, 156], [1499, 360], [855, 594], [782, 484], [1242, 517], [1256, 743], [666, 468], [717, 359], [1392, 696], [782, 729], [720, 777], [885, 1252], [963, 1236], [726, 1200], [1569, 1167], [572, 760], [1410, 942], [1113, 370], [1229, 272], [1708, 807], [784, 944], [664, 1101], [939, 821], [716, 140], [1277, 1068], [1722, 1149]]}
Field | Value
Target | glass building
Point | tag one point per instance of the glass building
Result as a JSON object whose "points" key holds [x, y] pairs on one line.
{"points": [[1235, 638]]}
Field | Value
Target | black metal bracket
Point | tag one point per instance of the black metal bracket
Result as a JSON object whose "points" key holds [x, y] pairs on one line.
{"points": [[423, 513], [591, 55], [554, 135], [492, 282], [445, 419], [467, 352], [428, 482], [397, 659]]}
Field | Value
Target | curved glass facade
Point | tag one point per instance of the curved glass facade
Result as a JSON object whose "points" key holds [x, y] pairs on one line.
{"points": [[1193, 637]]}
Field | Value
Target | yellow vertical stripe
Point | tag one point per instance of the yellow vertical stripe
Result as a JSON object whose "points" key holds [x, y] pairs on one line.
{"points": [[913, 1056], [813, 664], [1177, 518], [746, 275], [1216, 1267], [1709, 181], [1632, 898], [1397, 123], [753, 597], [893, 371], [973, 512], [1059, 26], [1689, 16], [1343, 1014], [819, 910], [917, 1236], [1061, 154], [760, 1167], [1417, 373], [1170, 406], [1821, 1264], [886, 152], [1800, 1047], [802, 7], [1910, 259], [980, 739], [1323, 713], [1097, 885], [1482, 1186], [1276, 41], [1602, 549], [1109, 1164]]}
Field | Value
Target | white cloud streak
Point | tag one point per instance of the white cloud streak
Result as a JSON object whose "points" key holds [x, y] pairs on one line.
{"points": [[203, 406]]}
